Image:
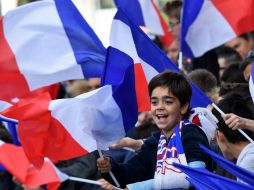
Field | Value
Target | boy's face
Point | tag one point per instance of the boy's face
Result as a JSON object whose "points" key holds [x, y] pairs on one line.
{"points": [[166, 109]]}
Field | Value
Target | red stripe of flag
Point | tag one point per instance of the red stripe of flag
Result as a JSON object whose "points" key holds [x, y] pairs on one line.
{"points": [[141, 88], [11, 80], [167, 38], [238, 13], [42, 132]]}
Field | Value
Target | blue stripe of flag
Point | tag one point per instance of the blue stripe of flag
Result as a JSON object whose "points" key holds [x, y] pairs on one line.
{"points": [[88, 49], [133, 10]]}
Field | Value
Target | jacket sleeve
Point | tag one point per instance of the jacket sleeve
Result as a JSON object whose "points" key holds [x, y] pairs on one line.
{"points": [[192, 136], [140, 168]]}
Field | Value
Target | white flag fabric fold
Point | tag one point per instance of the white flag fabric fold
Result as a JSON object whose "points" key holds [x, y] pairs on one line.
{"points": [[206, 24], [43, 43]]}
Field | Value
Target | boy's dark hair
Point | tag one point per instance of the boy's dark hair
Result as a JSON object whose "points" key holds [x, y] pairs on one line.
{"points": [[176, 83], [233, 103], [173, 9]]}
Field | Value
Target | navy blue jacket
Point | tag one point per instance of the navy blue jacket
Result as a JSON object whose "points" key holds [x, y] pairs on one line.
{"points": [[142, 166]]}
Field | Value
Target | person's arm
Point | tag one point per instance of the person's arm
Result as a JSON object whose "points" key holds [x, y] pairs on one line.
{"points": [[128, 142], [236, 122], [139, 168], [192, 137]]}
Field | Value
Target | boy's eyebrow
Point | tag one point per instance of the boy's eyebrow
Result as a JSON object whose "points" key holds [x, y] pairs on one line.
{"points": [[163, 97]]}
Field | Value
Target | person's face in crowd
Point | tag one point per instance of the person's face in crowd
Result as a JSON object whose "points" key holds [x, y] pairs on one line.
{"points": [[241, 45], [247, 71], [94, 83], [222, 65], [173, 50], [174, 27], [223, 144], [166, 109]]}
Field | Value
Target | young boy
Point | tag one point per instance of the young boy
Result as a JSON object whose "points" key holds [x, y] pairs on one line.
{"points": [[177, 141]]}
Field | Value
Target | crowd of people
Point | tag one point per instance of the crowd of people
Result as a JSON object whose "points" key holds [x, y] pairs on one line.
{"points": [[170, 132]]}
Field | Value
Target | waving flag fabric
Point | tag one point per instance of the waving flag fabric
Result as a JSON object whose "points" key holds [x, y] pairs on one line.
{"points": [[210, 179], [251, 83], [146, 13], [199, 185], [207, 24], [48, 175], [14, 160], [142, 59], [68, 128], [241, 173], [53, 90], [38, 50]]}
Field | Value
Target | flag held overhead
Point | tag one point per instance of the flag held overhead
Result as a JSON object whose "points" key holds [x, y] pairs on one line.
{"points": [[37, 51]]}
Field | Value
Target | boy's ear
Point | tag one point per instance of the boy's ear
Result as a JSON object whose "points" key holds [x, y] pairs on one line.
{"points": [[184, 108]]}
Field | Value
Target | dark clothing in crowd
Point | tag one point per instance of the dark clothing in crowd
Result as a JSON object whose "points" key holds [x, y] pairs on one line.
{"points": [[208, 61], [142, 166], [82, 167]]}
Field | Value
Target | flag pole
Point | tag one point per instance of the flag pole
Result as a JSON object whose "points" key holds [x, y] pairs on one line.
{"points": [[240, 130], [84, 180], [89, 181], [180, 60], [110, 172]]}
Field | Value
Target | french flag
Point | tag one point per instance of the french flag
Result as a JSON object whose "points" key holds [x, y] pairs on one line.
{"points": [[68, 128], [132, 51], [38, 50], [146, 13], [206, 24]]}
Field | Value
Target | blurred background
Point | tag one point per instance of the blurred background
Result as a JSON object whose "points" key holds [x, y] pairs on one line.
{"points": [[98, 13]]}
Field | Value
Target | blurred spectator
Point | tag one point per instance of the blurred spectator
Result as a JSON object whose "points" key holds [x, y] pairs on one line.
{"points": [[206, 81], [226, 57], [247, 64], [233, 74], [242, 44], [78, 87], [173, 11], [94, 83], [173, 51]]}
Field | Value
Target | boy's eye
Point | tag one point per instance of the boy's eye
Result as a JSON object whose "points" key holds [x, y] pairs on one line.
{"points": [[154, 102], [168, 102]]}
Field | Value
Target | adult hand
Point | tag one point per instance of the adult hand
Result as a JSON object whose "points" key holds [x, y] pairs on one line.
{"points": [[234, 122]]}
